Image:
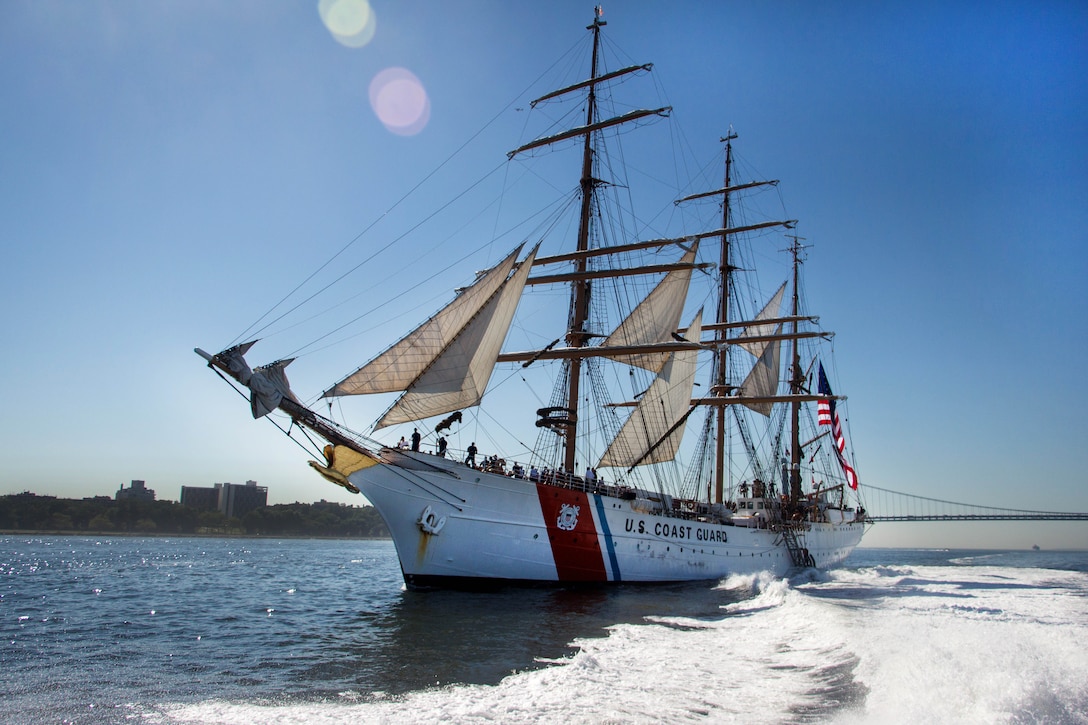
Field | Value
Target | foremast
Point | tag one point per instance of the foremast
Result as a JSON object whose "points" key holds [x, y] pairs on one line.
{"points": [[579, 310], [577, 336]]}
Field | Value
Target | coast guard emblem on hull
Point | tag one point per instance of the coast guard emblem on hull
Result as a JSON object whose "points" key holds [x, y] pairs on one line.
{"points": [[568, 517]]}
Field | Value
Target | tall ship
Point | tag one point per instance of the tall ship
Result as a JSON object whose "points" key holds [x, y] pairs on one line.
{"points": [[663, 412]]}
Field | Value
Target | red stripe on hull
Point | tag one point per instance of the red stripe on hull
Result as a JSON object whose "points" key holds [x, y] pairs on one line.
{"points": [[573, 536]]}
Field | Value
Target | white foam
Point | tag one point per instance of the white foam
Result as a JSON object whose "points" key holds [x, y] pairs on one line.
{"points": [[979, 644], [896, 644]]}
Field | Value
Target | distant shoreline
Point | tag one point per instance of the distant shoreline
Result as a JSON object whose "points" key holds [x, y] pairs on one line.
{"points": [[29, 514]]}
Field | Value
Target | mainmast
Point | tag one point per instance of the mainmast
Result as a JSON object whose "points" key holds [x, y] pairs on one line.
{"points": [[719, 388]]}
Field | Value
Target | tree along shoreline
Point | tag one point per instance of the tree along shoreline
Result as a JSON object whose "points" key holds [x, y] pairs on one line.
{"points": [[29, 514]]}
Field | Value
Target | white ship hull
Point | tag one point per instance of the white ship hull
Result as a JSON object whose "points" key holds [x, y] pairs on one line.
{"points": [[454, 525]]}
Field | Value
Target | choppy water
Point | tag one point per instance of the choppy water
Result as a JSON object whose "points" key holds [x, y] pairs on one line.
{"points": [[242, 630]]}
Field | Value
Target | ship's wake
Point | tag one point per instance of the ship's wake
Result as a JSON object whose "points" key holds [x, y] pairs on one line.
{"points": [[906, 644]]}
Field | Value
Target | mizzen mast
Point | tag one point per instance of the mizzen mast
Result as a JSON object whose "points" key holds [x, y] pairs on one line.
{"points": [[797, 380]]}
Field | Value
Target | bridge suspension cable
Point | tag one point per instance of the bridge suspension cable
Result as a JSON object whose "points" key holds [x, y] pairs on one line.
{"points": [[887, 505]]}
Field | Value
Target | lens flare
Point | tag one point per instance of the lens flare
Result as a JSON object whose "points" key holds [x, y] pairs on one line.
{"points": [[351, 22], [399, 101]]}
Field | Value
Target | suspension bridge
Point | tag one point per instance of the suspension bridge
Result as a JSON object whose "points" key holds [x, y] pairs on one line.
{"points": [[885, 505]]}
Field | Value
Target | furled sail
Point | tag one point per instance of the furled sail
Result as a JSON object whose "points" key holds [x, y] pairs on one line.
{"points": [[645, 437], [268, 387], [769, 311], [656, 318], [267, 384], [457, 375], [762, 381]]}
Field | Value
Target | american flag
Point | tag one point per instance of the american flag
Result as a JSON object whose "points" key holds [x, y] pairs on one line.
{"points": [[827, 415]]}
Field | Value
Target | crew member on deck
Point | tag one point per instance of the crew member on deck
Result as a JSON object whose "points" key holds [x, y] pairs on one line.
{"points": [[442, 446], [470, 459], [415, 439]]}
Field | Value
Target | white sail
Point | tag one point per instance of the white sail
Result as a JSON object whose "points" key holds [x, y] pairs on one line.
{"points": [[762, 380], [662, 406], [656, 317], [770, 310], [457, 377], [396, 368]]}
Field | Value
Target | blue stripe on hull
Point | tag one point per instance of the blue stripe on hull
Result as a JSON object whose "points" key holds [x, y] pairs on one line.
{"points": [[607, 538]]}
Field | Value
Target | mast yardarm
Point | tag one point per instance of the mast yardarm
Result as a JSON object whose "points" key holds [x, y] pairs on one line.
{"points": [[727, 190], [589, 128], [592, 81], [651, 243]]}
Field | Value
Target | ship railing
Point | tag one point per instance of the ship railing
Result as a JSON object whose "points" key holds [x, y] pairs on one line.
{"points": [[681, 508]]}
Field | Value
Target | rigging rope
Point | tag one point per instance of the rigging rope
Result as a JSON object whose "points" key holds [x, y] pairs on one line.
{"points": [[247, 332]]}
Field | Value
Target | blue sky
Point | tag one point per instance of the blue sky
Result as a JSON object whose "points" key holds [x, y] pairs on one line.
{"points": [[170, 170]]}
